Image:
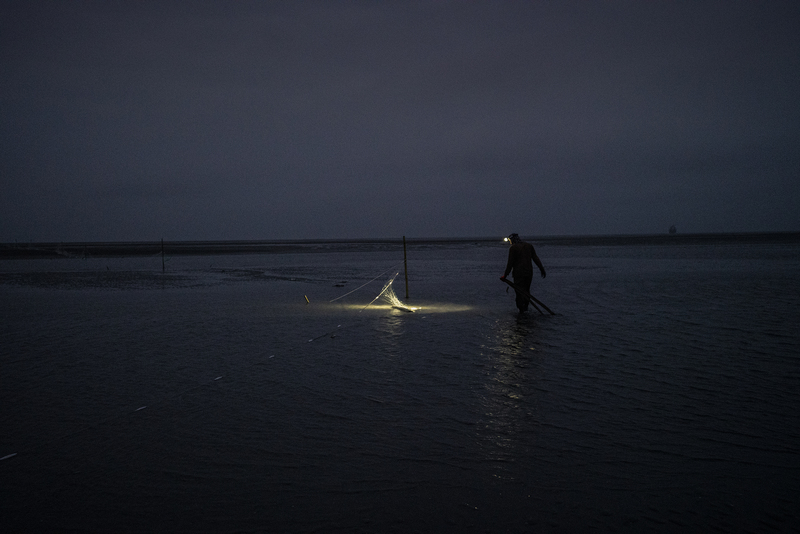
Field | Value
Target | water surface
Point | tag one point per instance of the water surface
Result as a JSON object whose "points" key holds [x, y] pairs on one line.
{"points": [[213, 397]]}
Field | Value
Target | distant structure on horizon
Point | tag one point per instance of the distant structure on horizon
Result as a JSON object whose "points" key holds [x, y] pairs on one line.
{"points": [[673, 230]]}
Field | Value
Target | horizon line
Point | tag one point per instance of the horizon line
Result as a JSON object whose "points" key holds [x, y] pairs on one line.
{"points": [[431, 239]]}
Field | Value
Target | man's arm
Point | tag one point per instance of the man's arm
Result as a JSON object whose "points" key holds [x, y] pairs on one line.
{"points": [[510, 263], [538, 263]]}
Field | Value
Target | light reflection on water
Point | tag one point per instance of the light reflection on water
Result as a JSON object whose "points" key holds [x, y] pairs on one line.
{"points": [[423, 308], [509, 402]]}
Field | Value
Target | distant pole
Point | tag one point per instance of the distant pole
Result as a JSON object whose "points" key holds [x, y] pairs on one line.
{"points": [[162, 255], [405, 264]]}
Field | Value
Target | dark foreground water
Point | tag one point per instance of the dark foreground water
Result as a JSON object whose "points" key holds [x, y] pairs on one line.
{"points": [[663, 396]]}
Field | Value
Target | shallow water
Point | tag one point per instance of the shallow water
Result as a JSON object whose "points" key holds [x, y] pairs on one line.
{"points": [[663, 395]]}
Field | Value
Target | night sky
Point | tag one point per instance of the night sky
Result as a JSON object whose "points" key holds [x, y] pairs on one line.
{"points": [[197, 120]]}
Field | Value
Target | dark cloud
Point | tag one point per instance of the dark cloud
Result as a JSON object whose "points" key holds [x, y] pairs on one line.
{"points": [[247, 120]]}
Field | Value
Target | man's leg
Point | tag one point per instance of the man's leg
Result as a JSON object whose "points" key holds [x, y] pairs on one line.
{"points": [[524, 282]]}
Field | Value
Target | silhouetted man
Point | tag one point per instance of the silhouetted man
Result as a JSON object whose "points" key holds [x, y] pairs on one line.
{"points": [[520, 256]]}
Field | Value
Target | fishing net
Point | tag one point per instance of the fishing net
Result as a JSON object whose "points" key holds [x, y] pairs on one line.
{"points": [[388, 295]]}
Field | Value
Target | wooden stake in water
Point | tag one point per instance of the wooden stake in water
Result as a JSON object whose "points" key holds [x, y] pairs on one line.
{"points": [[405, 264], [162, 255]]}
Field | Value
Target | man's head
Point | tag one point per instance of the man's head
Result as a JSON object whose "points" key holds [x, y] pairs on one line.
{"points": [[512, 238]]}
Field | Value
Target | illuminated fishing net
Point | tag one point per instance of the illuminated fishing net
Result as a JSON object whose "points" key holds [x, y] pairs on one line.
{"points": [[388, 295]]}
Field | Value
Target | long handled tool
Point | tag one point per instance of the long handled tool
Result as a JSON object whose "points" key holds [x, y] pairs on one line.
{"points": [[533, 299]]}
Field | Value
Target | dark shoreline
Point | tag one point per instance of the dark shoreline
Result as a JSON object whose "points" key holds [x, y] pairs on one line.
{"points": [[202, 248]]}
